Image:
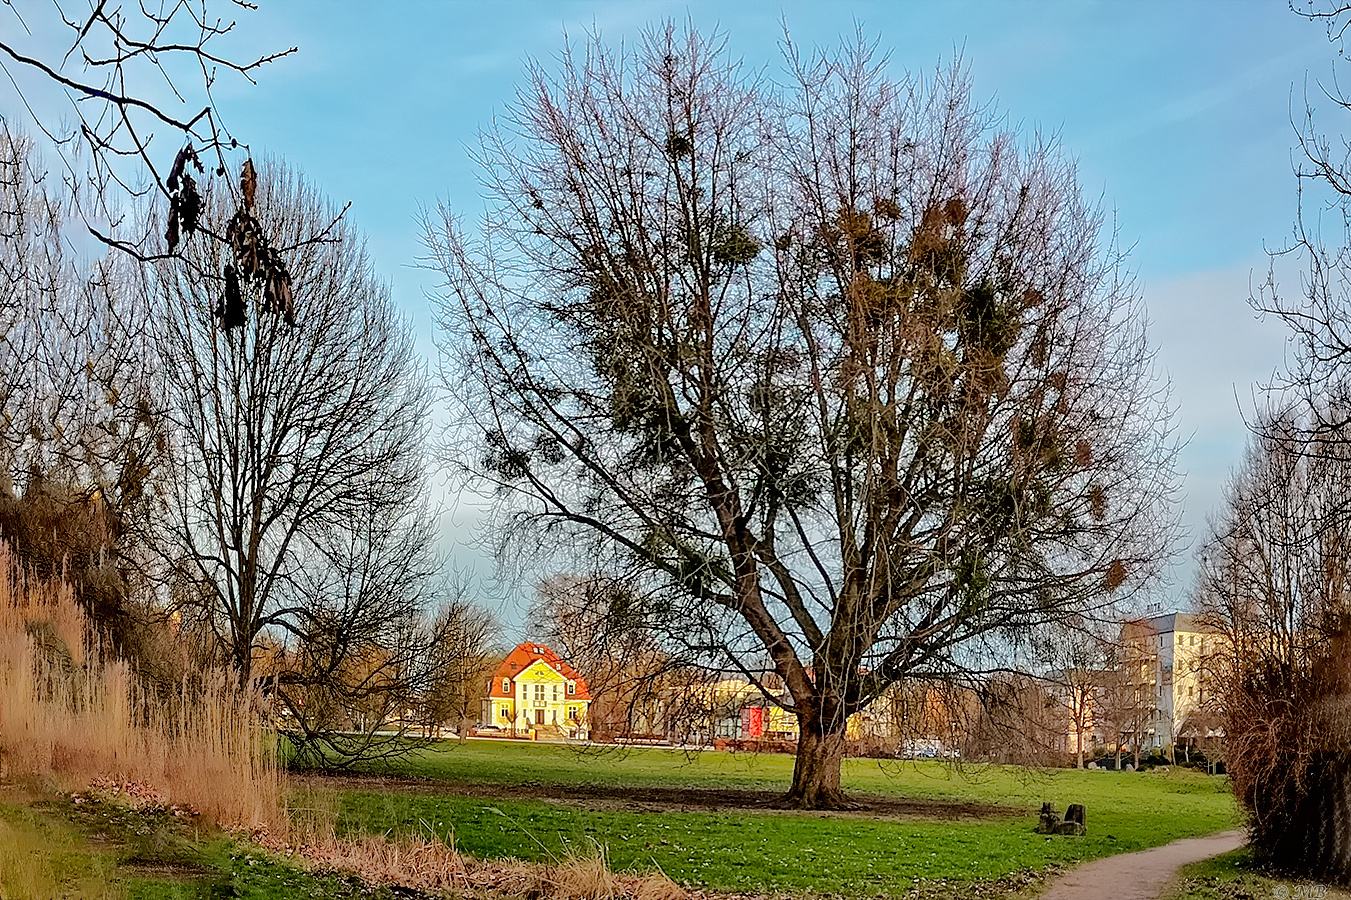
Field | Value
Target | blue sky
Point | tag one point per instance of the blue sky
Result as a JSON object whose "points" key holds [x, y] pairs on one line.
{"points": [[1178, 112]]}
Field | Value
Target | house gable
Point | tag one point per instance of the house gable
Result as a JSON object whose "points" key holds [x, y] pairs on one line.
{"points": [[526, 657], [540, 672]]}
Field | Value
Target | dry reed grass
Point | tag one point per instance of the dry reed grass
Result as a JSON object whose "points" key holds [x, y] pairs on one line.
{"points": [[432, 866], [427, 864], [71, 716]]}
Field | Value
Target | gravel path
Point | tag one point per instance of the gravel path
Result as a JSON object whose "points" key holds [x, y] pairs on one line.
{"points": [[1141, 875]]}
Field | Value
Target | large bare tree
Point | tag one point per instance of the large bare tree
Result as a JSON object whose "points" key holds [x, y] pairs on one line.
{"points": [[1275, 571], [297, 509], [841, 372]]}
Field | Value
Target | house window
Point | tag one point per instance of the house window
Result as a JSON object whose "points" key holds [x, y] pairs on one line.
{"points": [[572, 687], [558, 692], [506, 685], [539, 693]]}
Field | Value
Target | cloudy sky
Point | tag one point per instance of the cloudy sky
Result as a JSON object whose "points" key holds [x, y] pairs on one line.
{"points": [[1179, 114]]}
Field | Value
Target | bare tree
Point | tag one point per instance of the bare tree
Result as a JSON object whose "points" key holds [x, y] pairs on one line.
{"points": [[296, 463], [128, 74], [1074, 656], [1275, 582], [1018, 719], [637, 688], [1133, 698], [467, 651], [358, 647], [1274, 571], [840, 372], [77, 438]]}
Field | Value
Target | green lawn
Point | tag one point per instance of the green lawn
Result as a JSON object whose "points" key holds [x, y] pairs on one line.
{"points": [[41, 857], [99, 850], [789, 852]]}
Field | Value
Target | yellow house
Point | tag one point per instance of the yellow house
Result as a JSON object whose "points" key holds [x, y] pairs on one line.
{"points": [[535, 689]]}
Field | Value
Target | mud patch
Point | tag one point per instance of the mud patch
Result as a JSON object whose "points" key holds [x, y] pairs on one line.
{"points": [[656, 799]]}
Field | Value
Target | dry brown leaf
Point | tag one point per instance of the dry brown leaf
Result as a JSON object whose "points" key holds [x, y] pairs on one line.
{"points": [[248, 183]]}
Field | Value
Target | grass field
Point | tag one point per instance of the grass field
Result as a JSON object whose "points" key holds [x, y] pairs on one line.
{"points": [[64, 849], [748, 850], [54, 850]]}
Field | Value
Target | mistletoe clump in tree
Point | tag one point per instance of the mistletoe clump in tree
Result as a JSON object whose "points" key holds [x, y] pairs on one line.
{"points": [[839, 374]]}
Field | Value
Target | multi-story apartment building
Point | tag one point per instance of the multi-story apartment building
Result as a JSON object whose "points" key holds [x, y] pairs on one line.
{"points": [[1166, 667]]}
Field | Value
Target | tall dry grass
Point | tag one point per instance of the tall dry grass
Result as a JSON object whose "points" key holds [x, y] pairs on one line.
{"points": [[72, 716], [430, 866]]}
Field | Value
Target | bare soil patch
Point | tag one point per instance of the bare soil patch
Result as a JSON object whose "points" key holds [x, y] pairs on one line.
{"points": [[654, 799]]}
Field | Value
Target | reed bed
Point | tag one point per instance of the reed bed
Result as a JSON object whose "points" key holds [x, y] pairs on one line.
{"points": [[72, 716]]}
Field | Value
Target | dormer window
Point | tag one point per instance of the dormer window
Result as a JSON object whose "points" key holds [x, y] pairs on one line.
{"points": [[506, 685], [572, 687]]}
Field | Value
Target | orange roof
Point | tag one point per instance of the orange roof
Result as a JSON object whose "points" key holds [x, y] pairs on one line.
{"points": [[523, 657]]}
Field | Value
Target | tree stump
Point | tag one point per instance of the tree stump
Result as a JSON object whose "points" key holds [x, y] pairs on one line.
{"points": [[1049, 822], [1074, 821]]}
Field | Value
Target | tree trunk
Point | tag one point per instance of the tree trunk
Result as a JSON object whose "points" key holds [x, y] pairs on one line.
{"points": [[816, 771], [241, 654]]}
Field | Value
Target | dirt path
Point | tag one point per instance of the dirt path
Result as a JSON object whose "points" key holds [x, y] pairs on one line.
{"points": [[1141, 875]]}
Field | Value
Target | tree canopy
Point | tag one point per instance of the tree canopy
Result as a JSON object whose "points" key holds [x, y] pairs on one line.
{"points": [[841, 371]]}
